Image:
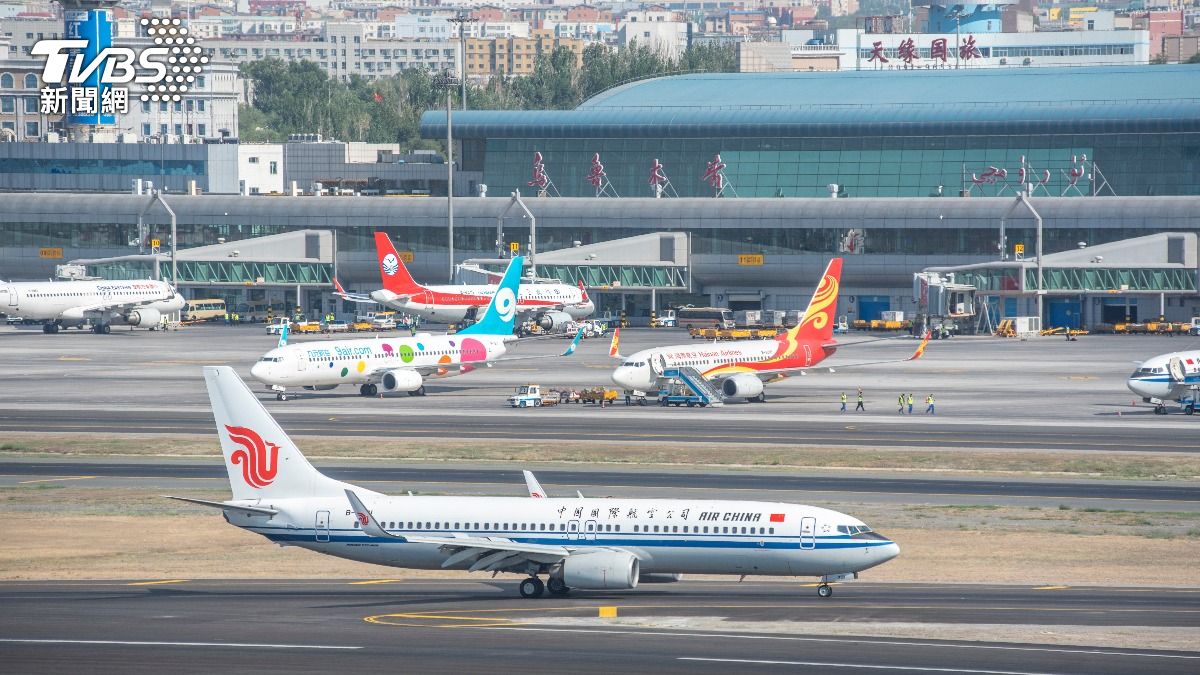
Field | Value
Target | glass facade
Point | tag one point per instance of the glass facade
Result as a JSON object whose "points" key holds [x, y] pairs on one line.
{"points": [[863, 166], [127, 167]]}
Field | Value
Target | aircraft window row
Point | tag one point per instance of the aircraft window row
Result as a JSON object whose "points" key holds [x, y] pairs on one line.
{"points": [[488, 527], [697, 529]]}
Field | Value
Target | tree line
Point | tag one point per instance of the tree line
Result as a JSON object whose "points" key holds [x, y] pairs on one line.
{"points": [[298, 97]]}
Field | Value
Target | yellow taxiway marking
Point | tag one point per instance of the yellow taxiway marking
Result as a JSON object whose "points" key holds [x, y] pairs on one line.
{"points": [[1050, 588], [51, 480], [158, 583], [73, 358], [376, 581]]}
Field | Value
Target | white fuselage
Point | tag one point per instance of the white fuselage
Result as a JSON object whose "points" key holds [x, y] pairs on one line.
{"points": [[667, 536], [327, 363], [642, 370], [1153, 378], [451, 304], [72, 302]]}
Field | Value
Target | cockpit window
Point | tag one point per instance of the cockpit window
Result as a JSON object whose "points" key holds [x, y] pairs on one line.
{"points": [[272, 359]]}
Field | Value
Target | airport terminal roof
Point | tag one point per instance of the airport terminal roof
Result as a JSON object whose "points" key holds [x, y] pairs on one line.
{"points": [[1010, 101]]}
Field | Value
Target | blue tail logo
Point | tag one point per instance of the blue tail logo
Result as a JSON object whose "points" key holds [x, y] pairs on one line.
{"points": [[502, 310], [283, 335]]}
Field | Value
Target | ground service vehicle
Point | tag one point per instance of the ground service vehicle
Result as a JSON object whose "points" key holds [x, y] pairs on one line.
{"points": [[529, 396], [308, 327], [210, 309], [704, 317], [276, 326], [337, 327]]}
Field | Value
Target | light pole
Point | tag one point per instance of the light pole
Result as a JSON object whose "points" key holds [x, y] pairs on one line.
{"points": [[449, 82], [461, 19]]}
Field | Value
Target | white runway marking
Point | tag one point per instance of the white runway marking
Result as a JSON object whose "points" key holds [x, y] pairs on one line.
{"points": [[857, 666], [137, 643]]}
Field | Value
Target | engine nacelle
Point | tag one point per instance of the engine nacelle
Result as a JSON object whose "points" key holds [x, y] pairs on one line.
{"points": [[742, 385], [602, 570], [402, 380], [659, 577], [553, 320], [145, 317]]}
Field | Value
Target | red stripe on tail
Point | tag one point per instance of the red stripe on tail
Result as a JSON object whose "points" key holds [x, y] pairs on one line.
{"points": [[392, 271]]}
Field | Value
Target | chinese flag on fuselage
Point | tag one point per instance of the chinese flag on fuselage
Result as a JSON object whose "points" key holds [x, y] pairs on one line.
{"points": [[777, 517]]}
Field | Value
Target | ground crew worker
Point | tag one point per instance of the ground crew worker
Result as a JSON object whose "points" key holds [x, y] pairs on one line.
{"points": [[929, 405], [843, 401], [910, 403], [860, 405], [901, 401], [226, 318]]}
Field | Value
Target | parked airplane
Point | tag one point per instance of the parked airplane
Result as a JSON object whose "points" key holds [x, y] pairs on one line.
{"points": [[1171, 377], [741, 367], [575, 543], [398, 364], [70, 303], [551, 305]]}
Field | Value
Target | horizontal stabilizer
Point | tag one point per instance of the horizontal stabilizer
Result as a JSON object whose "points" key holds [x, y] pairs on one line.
{"points": [[253, 510], [368, 522]]}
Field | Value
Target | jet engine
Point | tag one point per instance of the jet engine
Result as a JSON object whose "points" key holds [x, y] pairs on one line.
{"points": [[602, 570], [146, 317], [550, 321], [402, 380], [742, 385]]}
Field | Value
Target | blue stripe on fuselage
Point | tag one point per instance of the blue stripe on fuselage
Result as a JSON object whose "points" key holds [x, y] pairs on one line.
{"points": [[750, 542]]}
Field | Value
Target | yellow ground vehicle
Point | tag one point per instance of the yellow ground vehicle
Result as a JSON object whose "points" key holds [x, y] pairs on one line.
{"points": [[307, 327], [360, 326], [597, 395], [733, 333], [209, 309]]}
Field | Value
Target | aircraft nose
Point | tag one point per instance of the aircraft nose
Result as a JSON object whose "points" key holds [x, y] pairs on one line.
{"points": [[888, 551], [1144, 389], [260, 371], [621, 377]]}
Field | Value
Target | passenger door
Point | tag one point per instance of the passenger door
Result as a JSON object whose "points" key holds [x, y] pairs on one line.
{"points": [[322, 526], [589, 530], [572, 529], [808, 533]]}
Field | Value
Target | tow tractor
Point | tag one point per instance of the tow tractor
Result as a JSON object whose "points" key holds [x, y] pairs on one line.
{"points": [[530, 396]]}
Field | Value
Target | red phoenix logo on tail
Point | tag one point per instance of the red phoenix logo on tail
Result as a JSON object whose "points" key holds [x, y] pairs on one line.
{"points": [[258, 458]]}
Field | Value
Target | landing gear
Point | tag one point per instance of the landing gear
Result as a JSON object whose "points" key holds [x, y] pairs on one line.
{"points": [[50, 328], [281, 396], [368, 390], [532, 588], [1160, 410], [557, 587], [761, 398], [418, 392], [102, 329], [825, 591]]}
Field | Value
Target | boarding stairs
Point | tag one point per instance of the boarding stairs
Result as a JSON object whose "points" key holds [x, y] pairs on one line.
{"points": [[709, 393]]}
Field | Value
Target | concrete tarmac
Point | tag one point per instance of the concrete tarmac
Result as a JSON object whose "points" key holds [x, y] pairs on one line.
{"points": [[991, 393], [182, 626]]}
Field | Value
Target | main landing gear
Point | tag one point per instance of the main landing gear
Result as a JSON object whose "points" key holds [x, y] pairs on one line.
{"points": [[368, 390], [102, 329], [50, 328], [534, 588], [418, 392], [825, 591]]}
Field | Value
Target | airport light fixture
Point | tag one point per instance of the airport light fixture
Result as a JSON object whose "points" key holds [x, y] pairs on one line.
{"points": [[461, 20], [449, 83]]}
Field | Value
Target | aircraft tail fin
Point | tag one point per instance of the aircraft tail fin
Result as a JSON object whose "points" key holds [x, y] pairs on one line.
{"points": [[502, 310], [392, 271], [263, 463], [614, 347], [818, 322], [534, 487], [583, 296], [283, 335]]}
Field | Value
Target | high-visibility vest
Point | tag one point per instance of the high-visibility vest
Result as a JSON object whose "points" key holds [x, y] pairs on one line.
{"points": [[843, 398]]}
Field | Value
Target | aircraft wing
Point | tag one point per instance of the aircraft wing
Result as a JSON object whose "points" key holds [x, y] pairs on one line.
{"points": [[489, 554], [101, 309], [784, 372], [569, 351]]}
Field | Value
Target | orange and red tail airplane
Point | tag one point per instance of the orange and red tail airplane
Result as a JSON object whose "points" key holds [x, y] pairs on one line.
{"points": [[740, 368], [451, 304]]}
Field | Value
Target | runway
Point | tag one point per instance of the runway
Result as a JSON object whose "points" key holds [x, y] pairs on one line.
{"points": [[991, 394], [599, 481], [185, 626]]}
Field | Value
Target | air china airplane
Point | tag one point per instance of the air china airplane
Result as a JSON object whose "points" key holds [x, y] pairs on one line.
{"points": [[550, 304], [70, 303], [1168, 377], [574, 543], [740, 368], [399, 364]]}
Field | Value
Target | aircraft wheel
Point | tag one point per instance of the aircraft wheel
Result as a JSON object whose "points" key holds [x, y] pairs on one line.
{"points": [[281, 396], [421, 391], [557, 587], [825, 591], [1160, 410], [532, 588], [372, 390], [362, 390], [641, 401]]}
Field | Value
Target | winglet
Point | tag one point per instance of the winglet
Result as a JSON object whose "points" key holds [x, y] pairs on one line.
{"points": [[574, 343], [283, 336], [367, 520], [535, 488], [614, 347], [921, 347]]}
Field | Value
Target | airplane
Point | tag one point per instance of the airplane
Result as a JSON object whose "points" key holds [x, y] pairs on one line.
{"points": [[740, 368], [1168, 377], [607, 544], [59, 304], [402, 363], [551, 305]]}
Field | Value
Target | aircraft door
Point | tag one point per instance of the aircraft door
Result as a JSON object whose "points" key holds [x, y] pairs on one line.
{"points": [[301, 362], [573, 529], [322, 526], [658, 365], [12, 296], [589, 530], [1176, 371], [808, 533]]}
